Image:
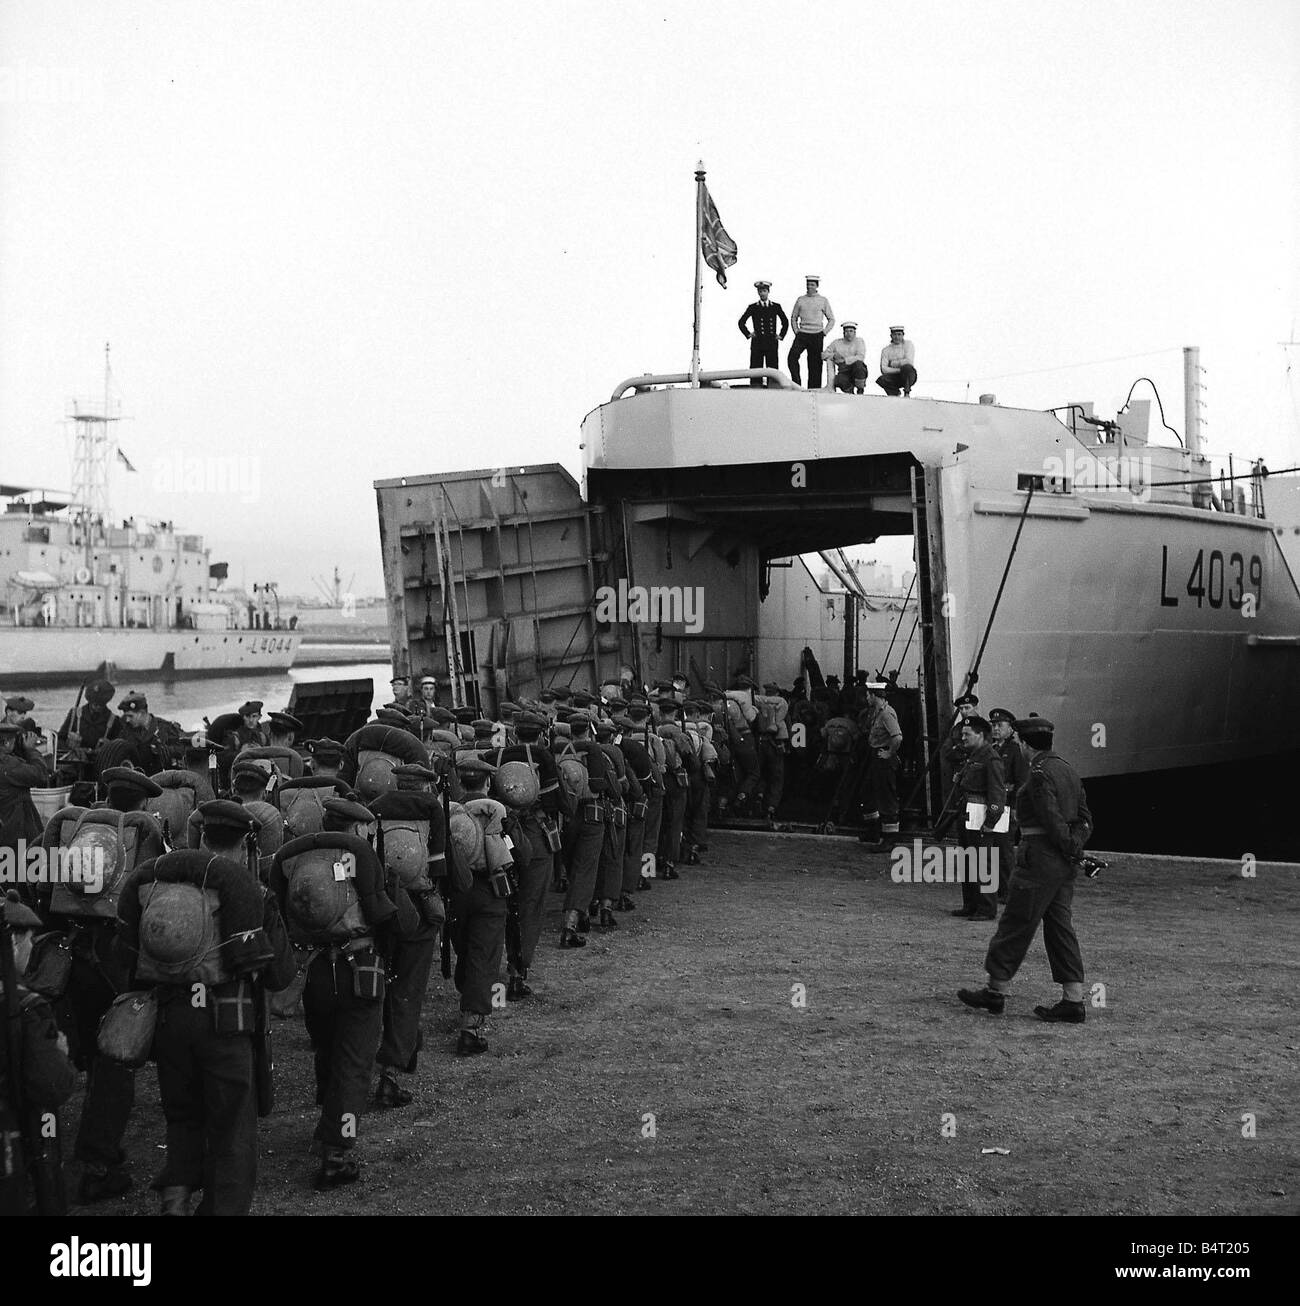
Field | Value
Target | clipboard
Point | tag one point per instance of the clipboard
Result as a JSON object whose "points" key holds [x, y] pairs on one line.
{"points": [[976, 812]]}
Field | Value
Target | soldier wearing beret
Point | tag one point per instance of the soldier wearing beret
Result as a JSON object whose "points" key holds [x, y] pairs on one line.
{"points": [[150, 738], [21, 770], [1055, 825], [343, 995], [480, 930], [624, 792], [209, 1045], [91, 720], [585, 835], [284, 729], [539, 825], [36, 1077], [1015, 771], [326, 756], [952, 753], [16, 707], [415, 934], [640, 768], [250, 730]]}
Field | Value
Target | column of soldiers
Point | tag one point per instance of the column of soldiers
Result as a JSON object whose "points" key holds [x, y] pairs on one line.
{"points": [[252, 877]]}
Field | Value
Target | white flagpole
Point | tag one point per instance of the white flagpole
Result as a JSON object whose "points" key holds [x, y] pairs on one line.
{"points": [[699, 270]]}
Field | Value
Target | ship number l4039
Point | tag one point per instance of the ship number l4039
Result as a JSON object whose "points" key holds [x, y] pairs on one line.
{"points": [[1238, 581]]}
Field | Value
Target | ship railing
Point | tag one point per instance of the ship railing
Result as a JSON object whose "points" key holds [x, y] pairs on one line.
{"points": [[708, 380]]}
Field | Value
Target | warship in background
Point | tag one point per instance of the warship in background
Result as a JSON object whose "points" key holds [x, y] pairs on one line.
{"points": [[81, 595]]}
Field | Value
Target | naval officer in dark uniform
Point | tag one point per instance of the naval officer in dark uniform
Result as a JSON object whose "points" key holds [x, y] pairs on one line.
{"points": [[758, 324], [1055, 825]]}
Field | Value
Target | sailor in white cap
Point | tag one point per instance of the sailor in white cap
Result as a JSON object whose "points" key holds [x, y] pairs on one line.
{"points": [[812, 319], [763, 315], [849, 355], [897, 364]]}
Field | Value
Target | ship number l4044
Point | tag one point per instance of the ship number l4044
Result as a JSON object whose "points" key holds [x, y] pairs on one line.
{"points": [[1238, 580]]}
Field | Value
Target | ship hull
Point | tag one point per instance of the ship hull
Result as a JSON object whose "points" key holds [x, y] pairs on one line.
{"points": [[44, 656]]}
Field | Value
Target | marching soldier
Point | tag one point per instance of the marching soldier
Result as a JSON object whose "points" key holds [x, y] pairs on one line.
{"points": [[36, 1077], [640, 768], [480, 915], [330, 889], [208, 1007], [540, 830], [415, 810], [677, 786], [773, 735], [626, 790], [586, 832], [1055, 826]]}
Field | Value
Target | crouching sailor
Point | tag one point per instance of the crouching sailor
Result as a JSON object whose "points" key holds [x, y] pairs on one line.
{"points": [[197, 927]]}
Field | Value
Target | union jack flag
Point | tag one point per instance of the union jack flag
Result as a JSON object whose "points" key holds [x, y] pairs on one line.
{"points": [[718, 247]]}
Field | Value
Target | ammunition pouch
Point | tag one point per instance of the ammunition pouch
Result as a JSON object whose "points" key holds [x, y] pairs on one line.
{"points": [[640, 810], [50, 968], [499, 883]]}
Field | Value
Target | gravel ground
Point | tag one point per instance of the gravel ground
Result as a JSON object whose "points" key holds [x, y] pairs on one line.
{"points": [[666, 1068]]}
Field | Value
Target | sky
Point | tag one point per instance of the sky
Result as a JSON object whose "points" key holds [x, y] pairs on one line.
{"points": [[335, 242]]}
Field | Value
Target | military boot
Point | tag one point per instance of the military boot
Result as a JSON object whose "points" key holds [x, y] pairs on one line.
{"points": [[338, 1167], [174, 1200], [608, 920], [517, 990], [625, 903], [473, 1039], [388, 1092], [101, 1183]]}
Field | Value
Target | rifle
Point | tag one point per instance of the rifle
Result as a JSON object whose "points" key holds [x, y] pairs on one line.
{"points": [[445, 942], [34, 1159]]}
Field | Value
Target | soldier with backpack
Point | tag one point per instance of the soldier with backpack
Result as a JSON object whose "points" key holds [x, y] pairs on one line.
{"points": [[680, 763], [411, 840], [625, 790], [586, 833], [482, 887], [201, 931], [773, 735], [538, 820], [741, 716], [656, 794], [330, 888], [641, 768], [121, 836]]}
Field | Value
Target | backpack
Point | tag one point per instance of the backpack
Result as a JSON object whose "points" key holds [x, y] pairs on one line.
{"points": [[320, 898], [573, 774], [491, 817], [302, 804], [766, 722], [465, 834], [516, 784], [123, 840], [173, 806], [380, 748], [286, 760], [180, 934], [839, 736], [402, 838]]}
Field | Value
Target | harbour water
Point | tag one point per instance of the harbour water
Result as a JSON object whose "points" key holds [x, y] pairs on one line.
{"points": [[189, 701]]}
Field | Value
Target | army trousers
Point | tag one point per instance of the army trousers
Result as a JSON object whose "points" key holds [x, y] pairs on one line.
{"points": [[110, 1087], [609, 881], [586, 838], [771, 771], [654, 819], [533, 881], [633, 848], [695, 825], [209, 1101], [345, 1031], [480, 944], [405, 985], [670, 828], [744, 762], [973, 897], [1041, 891]]}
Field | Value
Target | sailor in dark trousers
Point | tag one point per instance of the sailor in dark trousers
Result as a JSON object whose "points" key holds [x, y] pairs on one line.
{"points": [[980, 781], [541, 830], [416, 936], [758, 324], [1055, 825], [43, 1071], [480, 938], [204, 1042], [343, 998], [1015, 770]]}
